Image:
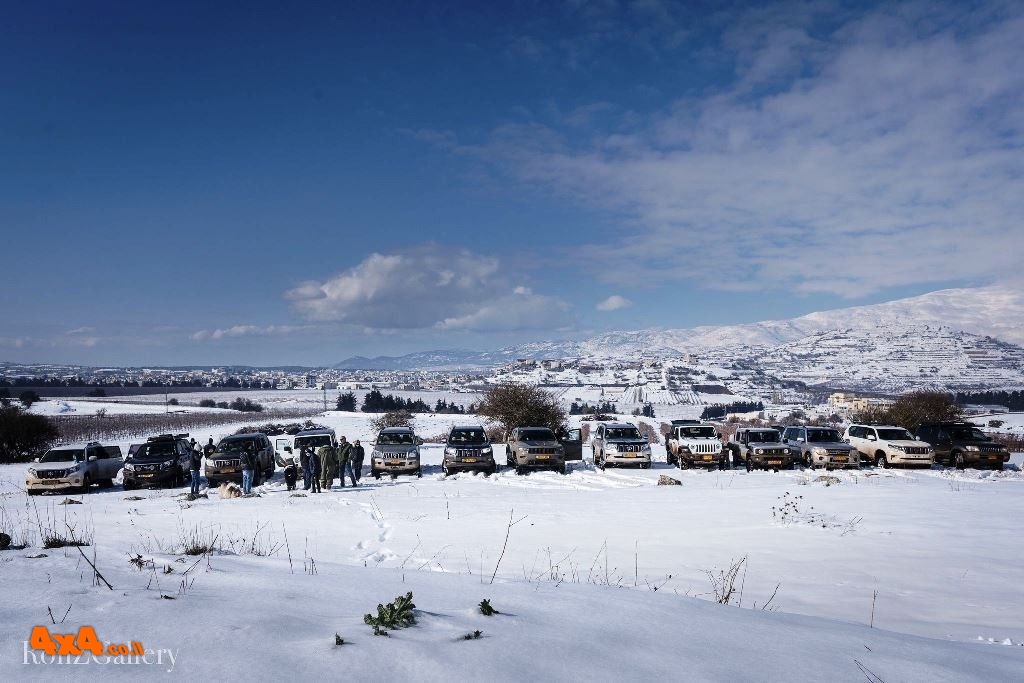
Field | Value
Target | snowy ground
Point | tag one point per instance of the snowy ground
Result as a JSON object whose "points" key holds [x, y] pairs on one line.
{"points": [[575, 584]]}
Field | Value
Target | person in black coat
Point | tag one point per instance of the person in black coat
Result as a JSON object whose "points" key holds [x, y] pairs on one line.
{"points": [[304, 457]]}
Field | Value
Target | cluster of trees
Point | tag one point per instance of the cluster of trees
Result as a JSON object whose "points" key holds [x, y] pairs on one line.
{"points": [[719, 410], [1014, 400], [376, 402], [26, 398], [913, 408], [517, 405], [587, 409], [244, 405], [23, 436], [646, 411], [47, 381]]}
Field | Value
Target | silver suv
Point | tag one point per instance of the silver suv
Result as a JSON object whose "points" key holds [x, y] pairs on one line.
{"points": [[889, 445], [76, 468], [821, 447], [534, 448], [396, 451], [620, 443]]}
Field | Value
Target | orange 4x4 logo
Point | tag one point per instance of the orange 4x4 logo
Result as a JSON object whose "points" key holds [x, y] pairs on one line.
{"points": [[77, 643]]}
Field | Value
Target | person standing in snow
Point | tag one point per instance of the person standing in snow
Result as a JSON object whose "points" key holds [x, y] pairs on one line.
{"points": [[345, 461], [208, 450], [248, 459], [328, 466], [195, 463], [314, 471], [357, 455], [307, 472]]}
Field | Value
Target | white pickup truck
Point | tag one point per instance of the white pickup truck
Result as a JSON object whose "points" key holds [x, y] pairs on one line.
{"points": [[74, 468]]}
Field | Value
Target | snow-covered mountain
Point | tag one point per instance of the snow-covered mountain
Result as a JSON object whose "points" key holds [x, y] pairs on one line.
{"points": [[938, 337]]}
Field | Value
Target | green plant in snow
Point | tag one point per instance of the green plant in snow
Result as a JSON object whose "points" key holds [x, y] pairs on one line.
{"points": [[486, 609], [399, 613]]}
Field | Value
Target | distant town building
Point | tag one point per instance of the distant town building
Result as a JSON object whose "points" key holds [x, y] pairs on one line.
{"points": [[852, 403]]}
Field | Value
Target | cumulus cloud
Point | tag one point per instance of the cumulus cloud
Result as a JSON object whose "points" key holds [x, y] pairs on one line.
{"points": [[244, 331], [614, 303], [427, 287], [845, 156]]}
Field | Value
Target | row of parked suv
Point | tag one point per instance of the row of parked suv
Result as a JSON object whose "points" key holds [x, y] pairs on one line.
{"points": [[691, 443]]}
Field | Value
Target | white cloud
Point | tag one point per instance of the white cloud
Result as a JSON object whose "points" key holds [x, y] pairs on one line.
{"points": [[614, 303], [428, 286], [245, 331], [879, 153]]}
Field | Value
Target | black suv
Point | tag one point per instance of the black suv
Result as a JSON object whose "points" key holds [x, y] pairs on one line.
{"points": [[161, 461], [962, 444], [468, 448]]}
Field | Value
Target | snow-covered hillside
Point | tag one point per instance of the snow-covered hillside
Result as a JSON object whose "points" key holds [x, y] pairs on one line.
{"points": [[575, 581]]}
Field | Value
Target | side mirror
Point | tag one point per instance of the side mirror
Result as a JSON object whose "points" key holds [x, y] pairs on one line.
{"points": [[288, 449], [872, 437], [93, 458], [36, 459], [419, 440], [718, 435], [800, 439]]}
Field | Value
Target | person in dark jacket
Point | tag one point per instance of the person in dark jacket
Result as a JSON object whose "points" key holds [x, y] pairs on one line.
{"points": [[304, 458], [357, 455], [314, 472], [328, 457], [248, 459], [345, 461], [289, 473], [195, 463]]}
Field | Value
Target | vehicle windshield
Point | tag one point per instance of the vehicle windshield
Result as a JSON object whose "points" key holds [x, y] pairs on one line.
{"points": [[823, 436], [399, 439], [536, 435], [697, 432], [315, 441], [623, 433], [467, 436], [895, 435], [967, 434], [234, 445], [62, 455], [159, 449], [767, 436]]}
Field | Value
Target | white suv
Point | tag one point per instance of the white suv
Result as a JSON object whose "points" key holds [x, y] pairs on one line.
{"points": [[886, 445], [74, 468]]}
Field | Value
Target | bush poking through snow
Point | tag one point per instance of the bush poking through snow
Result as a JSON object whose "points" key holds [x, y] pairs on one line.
{"points": [[338, 640], [723, 584], [475, 635], [486, 609], [400, 613]]}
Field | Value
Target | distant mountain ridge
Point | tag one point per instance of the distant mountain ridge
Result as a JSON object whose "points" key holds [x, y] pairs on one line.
{"points": [[996, 312]]}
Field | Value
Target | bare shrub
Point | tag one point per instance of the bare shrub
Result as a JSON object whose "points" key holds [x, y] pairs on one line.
{"points": [[397, 418], [648, 432], [723, 583], [520, 405]]}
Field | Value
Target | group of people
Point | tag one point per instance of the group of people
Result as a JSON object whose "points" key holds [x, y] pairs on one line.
{"points": [[320, 468], [196, 461]]}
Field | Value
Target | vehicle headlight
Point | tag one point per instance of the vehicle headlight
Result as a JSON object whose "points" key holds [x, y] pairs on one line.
{"points": [[128, 467], [758, 451], [611, 447], [647, 448], [32, 472], [74, 468], [487, 451], [414, 454], [973, 448], [785, 451], [449, 451], [819, 451], [167, 464], [897, 447]]}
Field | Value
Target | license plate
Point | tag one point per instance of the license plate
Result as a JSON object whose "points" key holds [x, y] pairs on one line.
{"points": [[543, 457], [774, 462], [469, 460], [707, 457], [629, 455], [147, 475], [392, 463], [839, 458]]}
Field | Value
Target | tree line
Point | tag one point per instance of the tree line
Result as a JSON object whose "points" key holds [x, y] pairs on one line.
{"points": [[1014, 400]]}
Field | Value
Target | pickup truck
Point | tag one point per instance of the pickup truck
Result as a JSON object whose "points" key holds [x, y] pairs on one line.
{"points": [[74, 468], [694, 444]]}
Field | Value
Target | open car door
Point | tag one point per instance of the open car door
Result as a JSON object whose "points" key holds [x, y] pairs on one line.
{"points": [[573, 444]]}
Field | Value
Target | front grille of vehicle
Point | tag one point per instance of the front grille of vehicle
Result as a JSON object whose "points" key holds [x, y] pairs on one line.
{"points": [[838, 451], [147, 468], [227, 463], [915, 450], [393, 455], [773, 451], [704, 448], [52, 474], [629, 447], [540, 451], [467, 453]]}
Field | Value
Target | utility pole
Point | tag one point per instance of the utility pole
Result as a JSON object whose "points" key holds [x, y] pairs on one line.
{"points": [[325, 397]]}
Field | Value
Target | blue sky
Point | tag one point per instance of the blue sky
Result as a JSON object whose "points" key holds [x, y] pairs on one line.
{"points": [[281, 184]]}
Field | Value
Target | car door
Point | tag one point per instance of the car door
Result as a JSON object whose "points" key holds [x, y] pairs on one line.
{"points": [[573, 444]]}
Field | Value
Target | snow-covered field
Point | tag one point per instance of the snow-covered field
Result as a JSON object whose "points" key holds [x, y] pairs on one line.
{"points": [[575, 583]]}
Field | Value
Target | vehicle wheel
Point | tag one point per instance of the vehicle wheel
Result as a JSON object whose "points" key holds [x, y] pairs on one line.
{"points": [[958, 460], [419, 474], [880, 461], [444, 471], [127, 486], [86, 483], [749, 467], [34, 492], [106, 483], [645, 465], [723, 464], [682, 464], [998, 467], [492, 470]]}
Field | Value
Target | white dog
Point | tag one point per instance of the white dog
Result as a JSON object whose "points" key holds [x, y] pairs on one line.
{"points": [[229, 490]]}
